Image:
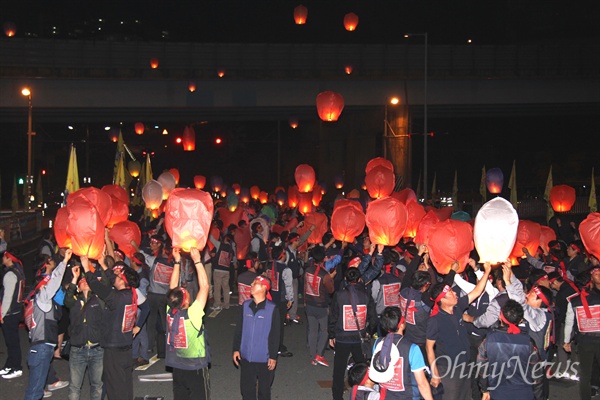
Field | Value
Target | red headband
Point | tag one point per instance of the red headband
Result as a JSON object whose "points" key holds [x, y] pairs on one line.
{"points": [[595, 269], [249, 263], [512, 328], [540, 279], [539, 294], [436, 306], [265, 281], [137, 260], [353, 262], [408, 254], [575, 247], [82, 280], [13, 258]]}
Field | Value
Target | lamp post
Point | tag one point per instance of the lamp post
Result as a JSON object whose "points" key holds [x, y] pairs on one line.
{"points": [[26, 92], [424, 112]]}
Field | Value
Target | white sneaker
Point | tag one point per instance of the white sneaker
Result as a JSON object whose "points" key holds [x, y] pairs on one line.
{"points": [[4, 371], [14, 373], [47, 393], [58, 385]]}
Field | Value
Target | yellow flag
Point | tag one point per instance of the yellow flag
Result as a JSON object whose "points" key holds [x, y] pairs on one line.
{"points": [[512, 185], [72, 184], [120, 154], [549, 184], [455, 190], [482, 186], [147, 170], [592, 202], [120, 177]]}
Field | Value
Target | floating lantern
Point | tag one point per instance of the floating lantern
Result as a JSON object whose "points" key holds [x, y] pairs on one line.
{"points": [[350, 21], [300, 15], [119, 204], [429, 220], [192, 86], [139, 128], [244, 195], [330, 105], [379, 161], [547, 235], [338, 181], [495, 230], [263, 197], [562, 198], [188, 217], [134, 168], [154, 63], [221, 73], [152, 193], [305, 204], [189, 139], [98, 199], [317, 195], [386, 219], [168, 183], [319, 220], [85, 228], [292, 196], [254, 192], [199, 181], [589, 229], [347, 220], [405, 195], [123, 233], [528, 236], [60, 228], [348, 69], [305, 178], [494, 180], [175, 173], [380, 182], [416, 213], [10, 29], [450, 241], [293, 123], [216, 182], [113, 135]]}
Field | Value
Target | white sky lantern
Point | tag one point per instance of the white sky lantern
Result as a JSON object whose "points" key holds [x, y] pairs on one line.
{"points": [[495, 230]]}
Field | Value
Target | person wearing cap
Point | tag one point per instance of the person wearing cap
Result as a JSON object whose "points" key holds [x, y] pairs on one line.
{"points": [[318, 288], [447, 344], [583, 313], [246, 278], [352, 318], [539, 314], [118, 321], [507, 357], [397, 363], [11, 295], [187, 350], [85, 332], [256, 342]]}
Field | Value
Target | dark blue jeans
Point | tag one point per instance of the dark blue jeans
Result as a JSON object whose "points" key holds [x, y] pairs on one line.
{"points": [[80, 359], [40, 356]]}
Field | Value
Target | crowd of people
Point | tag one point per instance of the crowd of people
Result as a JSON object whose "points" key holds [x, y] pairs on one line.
{"points": [[395, 327]]}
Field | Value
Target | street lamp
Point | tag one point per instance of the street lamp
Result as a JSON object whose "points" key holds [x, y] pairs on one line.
{"points": [[386, 124], [26, 92], [424, 113]]}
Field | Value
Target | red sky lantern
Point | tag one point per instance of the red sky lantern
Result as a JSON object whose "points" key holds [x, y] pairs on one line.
{"points": [[216, 183], [450, 241], [119, 204], [116, 191], [60, 228], [294, 123], [221, 73], [305, 204], [386, 219], [495, 230], [97, 198], [319, 220], [425, 225], [123, 233], [528, 236], [317, 195], [139, 128], [85, 228], [494, 180], [348, 69], [292, 196], [189, 139], [350, 21], [10, 29], [236, 188], [230, 217], [380, 182], [175, 173], [242, 240], [443, 213], [168, 183], [254, 192], [192, 86], [562, 198], [347, 220], [416, 212], [154, 63], [152, 193], [300, 15], [263, 197], [330, 105], [199, 181], [547, 235], [113, 135], [405, 195], [305, 178], [589, 229], [338, 181], [188, 217], [377, 161]]}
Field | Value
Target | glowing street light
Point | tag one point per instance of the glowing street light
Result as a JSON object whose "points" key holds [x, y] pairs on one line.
{"points": [[27, 93]]}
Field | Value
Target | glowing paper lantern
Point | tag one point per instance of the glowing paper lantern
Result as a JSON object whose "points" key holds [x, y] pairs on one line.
{"points": [[386, 219], [119, 204], [242, 240], [405, 195], [123, 233], [528, 236], [168, 183], [562, 198], [97, 198], [330, 105], [189, 139], [353, 194], [300, 15], [416, 212], [348, 69], [134, 168], [281, 198], [338, 181], [305, 178], [152, 193], [236, 188], [60, 228], [380, 182], [495, 230], [244, 195], [216, 182], [139, 128], [494, 180], [192, 86], [232, 200], [113, 135], [188, 216], [443, 213], [379, 161], [305, 204], [350, 21], [85, 228], [429, 220], [199, 181], [547, 235], [154, 63], [294, 123], [450, 241], [10, 29], [263, 197], [347, 220], [230, 217], [254, 192], [317, 195], [319, 220], [589, 229], [292, 196], [175, 173]]}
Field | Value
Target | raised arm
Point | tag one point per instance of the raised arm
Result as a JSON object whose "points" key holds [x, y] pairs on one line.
{"points": [[480, 287], [203, 284], [174, 282]]}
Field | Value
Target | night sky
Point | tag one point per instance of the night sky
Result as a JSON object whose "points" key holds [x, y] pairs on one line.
{"points": [[567, 142]]}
